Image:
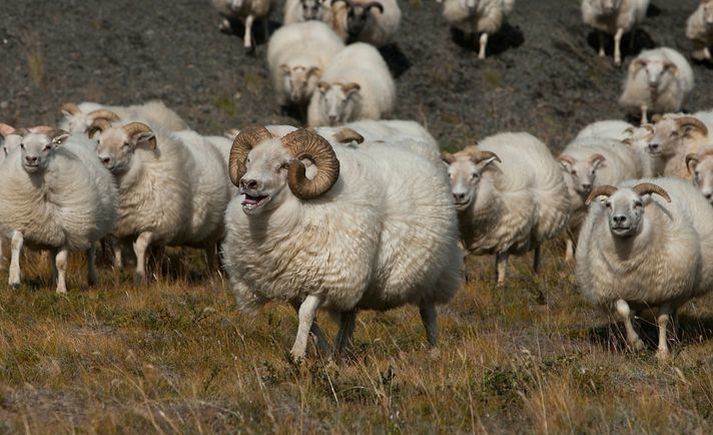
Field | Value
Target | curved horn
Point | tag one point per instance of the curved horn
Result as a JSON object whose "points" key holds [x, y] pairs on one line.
{"points": [[242, 144], [567, 159], [691, 121], [377, 5], [103, 113], [134, 128], [647, 188], [99, 125], [479, 156], [70, 108], [691, 158], [605, 190], [447, 157], [348, 87], [307, 144], [596, 158], [347, 135], [231, 133]]}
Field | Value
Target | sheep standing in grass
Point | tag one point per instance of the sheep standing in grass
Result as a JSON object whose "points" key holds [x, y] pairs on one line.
{"points": [[339, 228], [614, 17], [675, 137], [79, 117], [297, 11], [357, 84], [54, 200], [478, 16], [297, 55], [372, 22], [171, 192], [510, 197], [11, 138], [699, 29], [246, 11], [647, 245], [657, 81]]}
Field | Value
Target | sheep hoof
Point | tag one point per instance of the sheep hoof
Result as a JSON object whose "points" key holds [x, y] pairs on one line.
{"points": [[295, 358], [139, 278], [663, 355], [637, 345], [435, 353], [61, 290], [14, 285]]}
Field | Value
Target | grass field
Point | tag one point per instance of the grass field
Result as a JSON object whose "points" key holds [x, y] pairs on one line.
{"points": [[176, 356]]}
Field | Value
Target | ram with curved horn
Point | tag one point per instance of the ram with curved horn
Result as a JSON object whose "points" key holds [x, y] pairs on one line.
{"points": [[677, 136], [322, 226], [510, 195], [647, 247]]}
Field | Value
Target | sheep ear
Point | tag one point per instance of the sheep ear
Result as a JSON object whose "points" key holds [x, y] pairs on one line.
{"points": [[146, 139], [284, 68], [447, 157], [323, 87], [315, 70]]}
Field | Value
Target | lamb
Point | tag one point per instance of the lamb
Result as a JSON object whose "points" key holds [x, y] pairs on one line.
{"points": [[372, 22], [658, 80], [187, 209], [511, 207], [638, 251], [59, 200], [676, 136], [339, 228], [587, 163], [297, 55], [699, 29], [700, 166], [245, 11], [478, 16], [297, 11], [614, 17], [79, 117], [357, 84]]}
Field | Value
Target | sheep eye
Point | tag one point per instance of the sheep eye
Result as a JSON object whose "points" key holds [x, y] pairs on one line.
{"points": [[46, 148], [22, 146], [475, 176], [637, 204], [284, 166], [574, 172], [608, 204]]}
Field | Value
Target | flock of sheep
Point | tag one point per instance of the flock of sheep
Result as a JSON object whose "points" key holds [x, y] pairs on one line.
{"points": [[358, 213]]}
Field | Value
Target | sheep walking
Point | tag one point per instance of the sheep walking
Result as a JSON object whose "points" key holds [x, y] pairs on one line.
{"points": [[657, 81], [246, 11], [339, 228], [510, 197], [647, 245], [483, 17], [357, 84], [699, 29], [614, 17]]}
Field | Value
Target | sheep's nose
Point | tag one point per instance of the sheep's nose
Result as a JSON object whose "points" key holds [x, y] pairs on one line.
{"points": [[31, 159], [586, 187], [708, 195], [459, 197], [332, 119], [619, 219], [106, 160], [653, 147], [248, 184]]}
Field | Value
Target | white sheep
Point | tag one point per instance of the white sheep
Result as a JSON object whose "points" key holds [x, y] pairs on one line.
{"points": [[510, 197], [297, 55], [246, 11], [614, 17], [639, 139], [186, 209], [11, 139], [79, 117], [339, 228], [478, 16], [372, 22], [637, 251], [699, 29], [56, 197], [297, 11], [676, 136], [357, 84], [658, 81]]}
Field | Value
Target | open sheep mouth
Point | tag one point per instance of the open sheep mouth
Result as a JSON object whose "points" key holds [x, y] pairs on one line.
{"points": [[621, 230], [252, 202]]}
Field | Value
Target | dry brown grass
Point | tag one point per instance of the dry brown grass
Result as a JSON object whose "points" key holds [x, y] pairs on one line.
{"points": [[177, 357]]}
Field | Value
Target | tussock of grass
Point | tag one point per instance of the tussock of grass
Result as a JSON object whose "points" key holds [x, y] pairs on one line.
{"points": [[176, 356]]}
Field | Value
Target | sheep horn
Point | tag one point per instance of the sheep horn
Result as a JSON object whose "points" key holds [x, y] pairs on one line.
{"points": [[231, 133], [447, 157], [567, 159], [348, 87], [605, 190], [70, 108], [242, 144], [691, 158], [307, 144], [103, 113], [374, 5], [647, 188], [346, 135], [690, 121], [134, 128], [656, 118], [596, 158], [479, 156], [99, 125]]}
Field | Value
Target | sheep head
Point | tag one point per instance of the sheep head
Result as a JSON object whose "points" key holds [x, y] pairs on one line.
{"points": [[358, 15], [657, 72], [300, 81], [582, 171], [116, 145], [625, 206], [338, 101], [262, 165], [707, 6], [673, 132], [607, 7], [313, 9], [37, 147], [465, 170], [700, 166]]}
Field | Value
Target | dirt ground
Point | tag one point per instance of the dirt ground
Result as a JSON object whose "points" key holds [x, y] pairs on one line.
{"points": [[542, 75]]}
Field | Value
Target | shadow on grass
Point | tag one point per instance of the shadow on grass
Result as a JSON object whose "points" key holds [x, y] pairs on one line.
{"points": [[508, 37], [632, 43]]}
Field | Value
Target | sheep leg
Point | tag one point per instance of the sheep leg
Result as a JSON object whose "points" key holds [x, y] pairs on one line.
{"points": [[248, 42], [140, 247], [631, 336], [211, 253], [662, 320], [644, 114], [428, 318], [115, 244], [320, 338], [537, 259], [569, 250], [706, 54], [224, 25], [617, 46], [347, 322], [501, 264], [483, 43], [59, 269], [600, 37], [307, 313], [91, 265], [16, 247]]}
